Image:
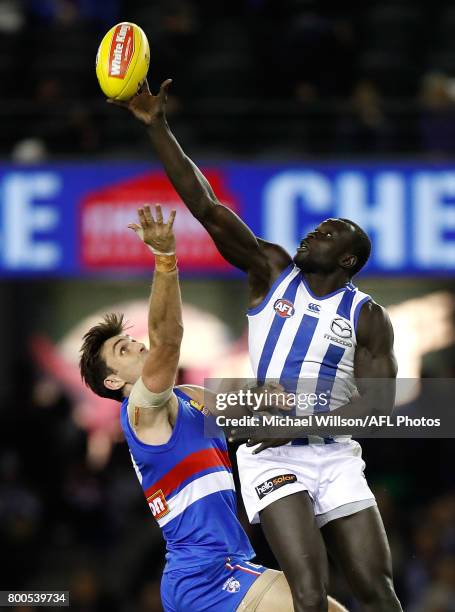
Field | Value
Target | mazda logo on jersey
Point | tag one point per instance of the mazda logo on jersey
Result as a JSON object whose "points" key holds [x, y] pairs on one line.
{"points": [[341, 327], [284, 308]]}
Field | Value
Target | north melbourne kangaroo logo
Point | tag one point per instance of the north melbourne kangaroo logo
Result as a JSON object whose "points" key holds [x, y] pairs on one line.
{"points": [[341, 328]]}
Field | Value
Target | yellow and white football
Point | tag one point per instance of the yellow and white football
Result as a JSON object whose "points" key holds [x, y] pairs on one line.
{"points": [[122, 61]]}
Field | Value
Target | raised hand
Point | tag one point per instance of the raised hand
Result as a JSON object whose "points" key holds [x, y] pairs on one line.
{"points": [[144, 105], [154, 232]]}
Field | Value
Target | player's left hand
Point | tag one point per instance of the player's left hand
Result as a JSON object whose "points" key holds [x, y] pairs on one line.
{"points": [[154, 231], [266, 443]]}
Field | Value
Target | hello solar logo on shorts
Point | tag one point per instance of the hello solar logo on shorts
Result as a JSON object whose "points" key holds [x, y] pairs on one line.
{"points": [[267, 487], [284, 308]]}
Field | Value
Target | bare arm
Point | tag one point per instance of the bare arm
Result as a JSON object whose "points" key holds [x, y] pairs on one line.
{"points": [[375, 366], [233, 238], [164, 317], [242, 402], [165, 332], [374, 357]]}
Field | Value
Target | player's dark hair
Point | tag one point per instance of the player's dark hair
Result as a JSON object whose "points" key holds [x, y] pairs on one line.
{"points": [[361, 246], [92, 365]]}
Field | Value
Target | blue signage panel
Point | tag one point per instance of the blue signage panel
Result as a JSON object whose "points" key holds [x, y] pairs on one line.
{"points": [[69, 219]]}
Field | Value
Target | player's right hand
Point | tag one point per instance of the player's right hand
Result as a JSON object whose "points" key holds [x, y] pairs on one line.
{"points": [[145, 106], [153, 231]]}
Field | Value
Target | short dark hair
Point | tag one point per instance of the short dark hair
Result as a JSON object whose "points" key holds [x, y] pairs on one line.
{"points": [[92, 365], [361, 246]]}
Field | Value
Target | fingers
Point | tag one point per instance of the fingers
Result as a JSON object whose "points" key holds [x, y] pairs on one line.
{"points": [[164, 89], [148, 215], [275, 387], [142, 217], [137, 229], [260, 448], [121, 103], [170, 222], [267, 443], [285, 407], [158, 214], [144, 87]]}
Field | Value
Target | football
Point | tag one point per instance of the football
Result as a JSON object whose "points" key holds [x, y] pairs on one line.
{"points": [[122, 61]]}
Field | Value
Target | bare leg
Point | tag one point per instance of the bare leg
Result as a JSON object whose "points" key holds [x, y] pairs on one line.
{"points": [[295, 539], [271, 592], [359, 545]]}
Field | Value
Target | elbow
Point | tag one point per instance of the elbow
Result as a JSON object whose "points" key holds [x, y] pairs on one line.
{"points": [[203, 208]]}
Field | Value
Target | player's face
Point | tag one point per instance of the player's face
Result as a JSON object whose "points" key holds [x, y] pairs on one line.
{"points": [[322, 249], [125, 356]]}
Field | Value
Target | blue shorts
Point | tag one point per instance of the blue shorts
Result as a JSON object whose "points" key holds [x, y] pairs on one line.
{"points": [[218, 587]]}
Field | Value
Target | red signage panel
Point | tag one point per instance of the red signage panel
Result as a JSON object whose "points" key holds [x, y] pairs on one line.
{"points": [[107, 243]]}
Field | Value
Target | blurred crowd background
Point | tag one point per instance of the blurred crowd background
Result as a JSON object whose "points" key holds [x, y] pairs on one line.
{"points": [[325, 77], [253, 79]]}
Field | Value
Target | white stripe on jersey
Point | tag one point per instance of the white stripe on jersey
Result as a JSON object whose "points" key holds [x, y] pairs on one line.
{"points": [[195, 490], [136, 468]]}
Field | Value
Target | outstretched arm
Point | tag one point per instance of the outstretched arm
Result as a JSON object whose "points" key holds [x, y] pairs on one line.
{"points": [[233, 238], [165, 314], [165, 325]]}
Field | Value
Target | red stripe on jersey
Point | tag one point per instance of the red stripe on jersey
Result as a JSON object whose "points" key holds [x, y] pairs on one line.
{"points": [[196, 462], [247, 570], [244, 569]]}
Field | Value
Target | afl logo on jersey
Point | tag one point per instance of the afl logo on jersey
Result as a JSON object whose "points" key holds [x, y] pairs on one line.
{"points": [[284, 308], [341, 327]]}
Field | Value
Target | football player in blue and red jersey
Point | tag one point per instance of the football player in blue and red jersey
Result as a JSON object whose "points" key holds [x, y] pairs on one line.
{"points": [[179, 454]]}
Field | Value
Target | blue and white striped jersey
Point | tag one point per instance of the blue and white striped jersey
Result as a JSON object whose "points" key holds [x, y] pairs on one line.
{"points": [[307, 342]]}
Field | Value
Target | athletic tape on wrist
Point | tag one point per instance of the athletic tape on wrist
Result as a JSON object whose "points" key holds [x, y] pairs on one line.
{"points": [[165, 263], [155, 252]]}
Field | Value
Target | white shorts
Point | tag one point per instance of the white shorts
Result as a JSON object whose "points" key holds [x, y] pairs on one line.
{"points": [[331, 473]]}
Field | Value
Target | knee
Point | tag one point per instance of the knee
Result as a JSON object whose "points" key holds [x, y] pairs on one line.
{"points": [[380, 595], [309, 598], [308, 584]]}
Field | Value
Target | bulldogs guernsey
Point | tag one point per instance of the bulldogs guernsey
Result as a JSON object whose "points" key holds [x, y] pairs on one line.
{"points": [[307, 342], [189, 487]]}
